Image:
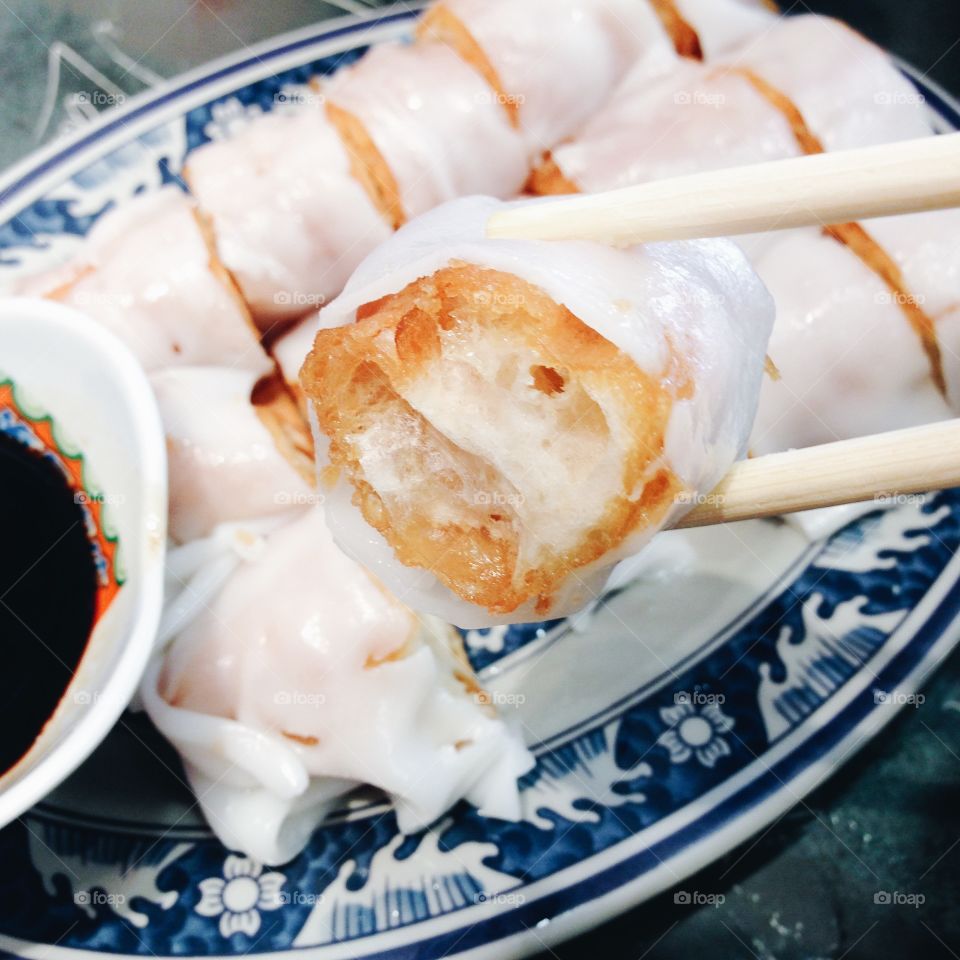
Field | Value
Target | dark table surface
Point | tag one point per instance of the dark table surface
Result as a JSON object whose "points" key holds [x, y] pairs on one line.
{"points": [[807, 886]]}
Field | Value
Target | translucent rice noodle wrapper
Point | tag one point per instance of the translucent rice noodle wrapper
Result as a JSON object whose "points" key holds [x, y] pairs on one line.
{"points": [[291, 221], [434, 124], [148, 271], [549, 63], [851, 363], [724, 24], [302, 678], [926, 249], [697, 118], [291, 349], [501, 422], [848, 90], [224, 462], [742, 110]]}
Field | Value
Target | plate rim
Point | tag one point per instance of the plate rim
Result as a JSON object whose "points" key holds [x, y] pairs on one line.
{"points": [[264, 59]]}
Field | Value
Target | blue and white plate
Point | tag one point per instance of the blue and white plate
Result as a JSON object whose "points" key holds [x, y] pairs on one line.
{"points": [[685, 714]]}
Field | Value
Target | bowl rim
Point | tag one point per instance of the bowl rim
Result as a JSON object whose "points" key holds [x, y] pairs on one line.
{"points": [[119, 686]]}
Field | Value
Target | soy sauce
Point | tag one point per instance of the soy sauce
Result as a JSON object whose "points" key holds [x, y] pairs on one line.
{"points": [[48, 587]]}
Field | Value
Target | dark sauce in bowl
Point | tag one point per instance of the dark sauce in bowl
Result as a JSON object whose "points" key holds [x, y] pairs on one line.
{"points": [[48, 589]]}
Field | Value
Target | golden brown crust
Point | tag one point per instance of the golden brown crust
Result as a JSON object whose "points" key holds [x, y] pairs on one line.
{"points": [[806, 139], [304, 740], [219, 269], [355, 377], [547, 179], [685, 39], [440, 25], [278, 411], [368, 165]]}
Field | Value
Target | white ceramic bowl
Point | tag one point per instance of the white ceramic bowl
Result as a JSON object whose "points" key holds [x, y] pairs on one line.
{"points": [[65, 366]]}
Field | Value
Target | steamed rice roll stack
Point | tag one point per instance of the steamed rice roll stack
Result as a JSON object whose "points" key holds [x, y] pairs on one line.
{"points": [[228, 459], [806, 83], [697, 118], [549, 64], [926, 249], [850, 348], [291, 220], [722, 25], [290, 688], [848, 90], [290, 350], [149, 273], [433, 129], [506, 420]]}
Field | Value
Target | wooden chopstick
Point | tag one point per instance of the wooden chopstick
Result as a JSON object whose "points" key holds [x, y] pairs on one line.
{"points": [[882, 467], [818, 190]]}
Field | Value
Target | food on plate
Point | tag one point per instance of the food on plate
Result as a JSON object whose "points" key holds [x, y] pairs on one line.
{"points": [[806, 84], [291, 220], [803, 85], [500, 422], [289, 352], [425, 128], [719, 25], [228, 458], [547, 64], [288, 689], [862, 347], [148, 272], [552, 64]]}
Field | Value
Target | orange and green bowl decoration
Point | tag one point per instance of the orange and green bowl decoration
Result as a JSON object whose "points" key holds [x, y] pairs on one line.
{"points": [[38, 432]]}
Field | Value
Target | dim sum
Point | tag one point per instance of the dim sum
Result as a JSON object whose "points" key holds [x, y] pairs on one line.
{"points": [[148, 271], [808, 83], [500, 422], [301, 679], [426, 127], [291, 220], [227, 459]]}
